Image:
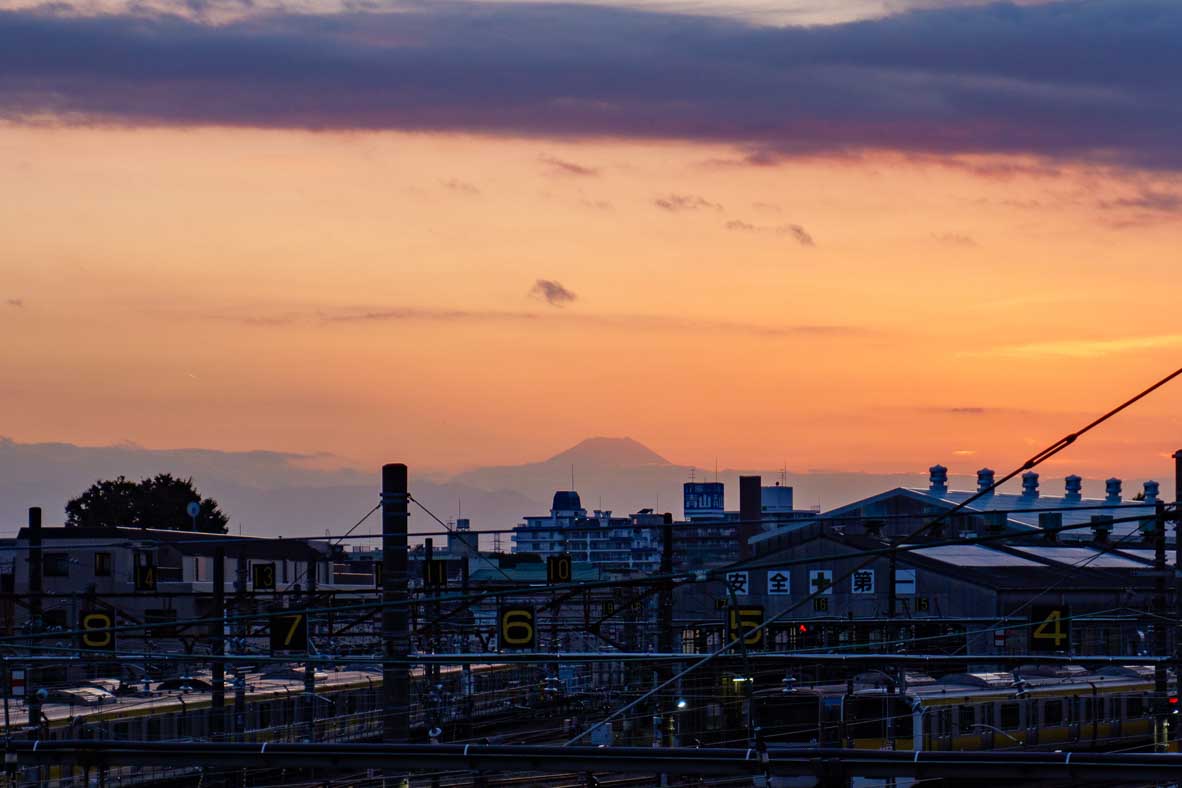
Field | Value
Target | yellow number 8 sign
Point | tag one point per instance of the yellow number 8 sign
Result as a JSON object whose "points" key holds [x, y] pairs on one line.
{"points": [[96, 630], [517, 627]]}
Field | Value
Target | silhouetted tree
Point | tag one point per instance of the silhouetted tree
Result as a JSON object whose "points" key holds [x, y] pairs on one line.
{"points": [[159, 502]]}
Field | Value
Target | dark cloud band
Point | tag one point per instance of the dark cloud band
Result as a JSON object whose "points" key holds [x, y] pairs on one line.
{"points": [[1096, 80]]}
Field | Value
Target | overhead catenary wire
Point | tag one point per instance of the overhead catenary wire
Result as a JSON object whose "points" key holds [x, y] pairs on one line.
{"points": [[716, 574]]}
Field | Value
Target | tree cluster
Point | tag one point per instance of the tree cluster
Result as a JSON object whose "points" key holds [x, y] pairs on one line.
{"points": [[161, 501]]}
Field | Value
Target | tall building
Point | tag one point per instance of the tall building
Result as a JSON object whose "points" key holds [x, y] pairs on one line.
{"points": [[599, 539]]}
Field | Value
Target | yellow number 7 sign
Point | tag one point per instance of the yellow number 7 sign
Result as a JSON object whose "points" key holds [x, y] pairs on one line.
{"points": [[289, 632]]}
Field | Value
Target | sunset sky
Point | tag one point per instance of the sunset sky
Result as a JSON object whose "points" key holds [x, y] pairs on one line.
{"points": [[857, 234]]}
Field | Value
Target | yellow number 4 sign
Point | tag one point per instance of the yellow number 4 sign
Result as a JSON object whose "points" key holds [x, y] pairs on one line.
{"points": [[1051, 628]]}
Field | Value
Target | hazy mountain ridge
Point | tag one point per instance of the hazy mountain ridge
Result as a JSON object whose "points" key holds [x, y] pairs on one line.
{"points": [[265, 493], [275, 493]]}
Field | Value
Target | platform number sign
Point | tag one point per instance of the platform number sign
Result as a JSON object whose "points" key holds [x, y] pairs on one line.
{"points": [[96, 629], [435, 573], [609, 608], [517, 627], [1050, 628], [263, 576], [558, 569], [145, 577], [289, 632], [744, 622]]}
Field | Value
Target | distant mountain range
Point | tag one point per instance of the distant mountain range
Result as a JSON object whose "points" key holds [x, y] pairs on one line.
{"points": [[275, 493]]}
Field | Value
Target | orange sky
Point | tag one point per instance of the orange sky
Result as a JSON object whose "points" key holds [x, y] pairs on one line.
{"points": [[367, 294]]}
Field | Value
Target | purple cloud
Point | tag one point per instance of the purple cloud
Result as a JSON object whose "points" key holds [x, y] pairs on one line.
{"points": [[1094, 81], [553, 293], [794, 231], [676, 203], [563, 167]]}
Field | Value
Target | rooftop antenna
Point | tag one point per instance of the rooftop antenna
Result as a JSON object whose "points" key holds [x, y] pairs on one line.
{"points": [[691, 473], [715, 469]]}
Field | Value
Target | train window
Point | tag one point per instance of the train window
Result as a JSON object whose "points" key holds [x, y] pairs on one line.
{"points": [[264, 715], [120, 731], [154, 724], [864, 718], [787, 718], [55, 565], [965, 719], [1086, 710], [1134, 707], [1052, 712], [1010, 716]]}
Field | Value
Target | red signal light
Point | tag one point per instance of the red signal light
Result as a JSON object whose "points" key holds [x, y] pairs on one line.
{"points": [[804, 628], [1174, 701]]}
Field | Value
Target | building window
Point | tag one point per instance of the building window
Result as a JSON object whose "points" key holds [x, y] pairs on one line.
{"points": [[56, 565], [102, 564]]}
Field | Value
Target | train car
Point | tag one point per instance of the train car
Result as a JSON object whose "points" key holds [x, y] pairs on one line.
{"points": [[349, 708], [1035, 708]]}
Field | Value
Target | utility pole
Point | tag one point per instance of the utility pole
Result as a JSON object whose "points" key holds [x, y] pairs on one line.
{"points": [[36, 575], [395, 637], [309, 668], [217, 718], [466, 684], [665, 639], [1160, 680], [1178, 577], [240, 639]]}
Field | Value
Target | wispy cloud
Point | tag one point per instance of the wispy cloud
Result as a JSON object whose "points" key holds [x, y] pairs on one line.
{"points": [[954, 239], [15, 302], [623, 322], [460, 187], [794, 231], [1147, 206], [1089, 348], [552, 292], [1148, 200], [564, 167], [676, 203]]}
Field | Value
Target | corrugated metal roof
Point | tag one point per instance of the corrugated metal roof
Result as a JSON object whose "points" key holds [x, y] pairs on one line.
{"points": [[1079, 556], [974, 555], [1075, 512], [1147, 555]]}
